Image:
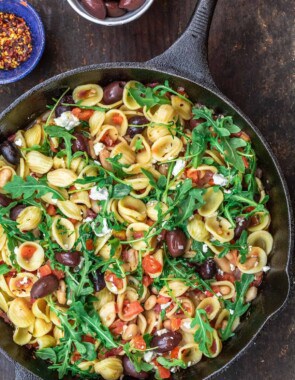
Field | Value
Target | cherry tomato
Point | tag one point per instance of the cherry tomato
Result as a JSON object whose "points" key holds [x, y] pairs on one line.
{"points": [[151, 265], [132, 309]]}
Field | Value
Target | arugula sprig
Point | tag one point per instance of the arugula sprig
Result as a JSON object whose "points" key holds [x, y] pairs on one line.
{"points": [[19, 187], [204, 333], [238, 307]]}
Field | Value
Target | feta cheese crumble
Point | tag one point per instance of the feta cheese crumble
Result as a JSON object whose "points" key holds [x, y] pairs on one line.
{"points": [[98, 147], [24, 281], [266, 269], [178, 167], [99, 194], [205, 248], [161, 332], [148, 356], [165, 305], [104, 229], [231, 311], [219, 179], [67, 120], [88, 219], [18, 142], [232, 267]]}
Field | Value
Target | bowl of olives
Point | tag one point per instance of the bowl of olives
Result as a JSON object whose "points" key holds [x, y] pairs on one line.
{"points": [[110, 12]]}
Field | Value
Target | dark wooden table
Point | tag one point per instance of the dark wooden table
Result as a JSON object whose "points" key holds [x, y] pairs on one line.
{"points": [[250, 55]]}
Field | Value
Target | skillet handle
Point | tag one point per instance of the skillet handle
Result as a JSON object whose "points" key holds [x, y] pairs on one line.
{"points": [[188, 56]]}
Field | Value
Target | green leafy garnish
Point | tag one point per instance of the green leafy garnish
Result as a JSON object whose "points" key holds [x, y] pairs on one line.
{"points": [[171, 363], [4, 269], [203, 336]]}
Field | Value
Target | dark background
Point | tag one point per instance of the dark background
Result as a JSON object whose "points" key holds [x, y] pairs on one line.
{"points": [[251, 56]]}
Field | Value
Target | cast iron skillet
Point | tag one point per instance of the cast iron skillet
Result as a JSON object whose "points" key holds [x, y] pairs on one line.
{"points": [[184, 64]]}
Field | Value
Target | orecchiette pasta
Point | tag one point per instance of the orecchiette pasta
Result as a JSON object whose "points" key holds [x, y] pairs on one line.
{"points": [[128, 221]]}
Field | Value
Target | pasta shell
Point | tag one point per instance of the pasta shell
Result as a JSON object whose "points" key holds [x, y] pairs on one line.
{"points": [[216, 345], [88, 94], [22, 336], [226, 288], [220, 228], [162, 114], [196, 229], [6, 175], [63, 232], [23, 169], [38, 162], [21, 284], [190, 353], [132, 210], [133, 229], [61, 177], [211, 305], [70, 209], [33, 135], [255, 261], [144, 155], [128, 156], [41, 310], [213, 200], [182, 107], [128, 101], [45, 341], [35, 259], [107, 313], [175, 287], [81, 198], [96, 121], [166, 148], [20, 313], [109, 369], [264, 222], [41, 328], [29, 218], [117, 119], [155, 132], [261, 239], [3, 302]]}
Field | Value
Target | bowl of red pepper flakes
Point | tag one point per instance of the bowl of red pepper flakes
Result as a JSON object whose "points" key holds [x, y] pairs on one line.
{"points": [[22, 40]]}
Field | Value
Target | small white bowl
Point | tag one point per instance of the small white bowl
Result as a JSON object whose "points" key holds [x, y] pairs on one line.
{"points": [[111, 21]]}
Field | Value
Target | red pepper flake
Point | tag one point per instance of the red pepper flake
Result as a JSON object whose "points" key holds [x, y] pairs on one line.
{"points": [[15, 41]]}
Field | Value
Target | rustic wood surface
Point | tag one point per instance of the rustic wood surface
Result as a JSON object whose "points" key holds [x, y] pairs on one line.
{"points": [[251, 58]]}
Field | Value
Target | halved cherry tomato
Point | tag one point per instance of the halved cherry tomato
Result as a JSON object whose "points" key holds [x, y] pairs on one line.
{"points": [[246, 163], [28, 251], [164, 373], [132, 309], [58, 273], [225, 277], [89, 245], [82, 114], [150, 222], [73, 221], [151, 265], [117, 119], [200, 177], [147, 280], [111, 277], [208, 294], [45, 270], [216, 289], [113, 352], [107, 140], [117, 327], [139, 343], [72, 188], [51, 210], [174, 352], [89, 339], [75, 357], [162, 300], [175, 324]]}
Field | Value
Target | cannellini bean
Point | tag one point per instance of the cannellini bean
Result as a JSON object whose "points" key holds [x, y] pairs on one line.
{"points": [[150, 302], [130, 332], [251, 294], [61, 293]]}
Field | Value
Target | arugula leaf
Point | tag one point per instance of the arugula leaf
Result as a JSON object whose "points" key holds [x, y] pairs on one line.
{"points": [[230, 152], [18, 187], [59, 132], [92, 323], [136, 358], [47, 354], [171, 363], [203, 336], [4, 269], [237, 308], [145, 96], [117, 166], [120, 191], [138, 145]]}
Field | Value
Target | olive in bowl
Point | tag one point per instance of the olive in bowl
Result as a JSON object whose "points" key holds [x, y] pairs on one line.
{"points": [[110, 12]]}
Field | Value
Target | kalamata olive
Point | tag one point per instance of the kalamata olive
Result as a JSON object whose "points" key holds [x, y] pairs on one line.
{"points": [[80, 143], [194, 122], [98, 281], [241, 225], [113, 92], [113, 9], [44, 286], [136, 120], [96, 8], [67, 99], [176, 242], [166, 341], [70, 259], [208, 269], [131, 5], [15, 211], [131, 371], [10, 152], [4, 200]]}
